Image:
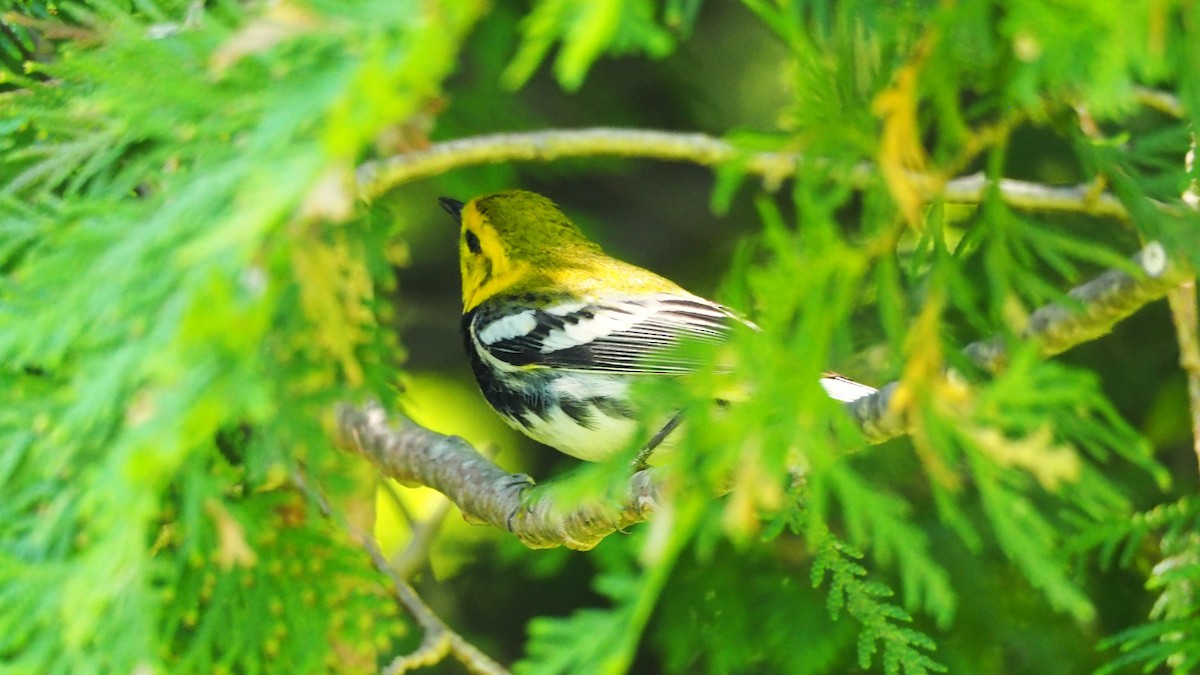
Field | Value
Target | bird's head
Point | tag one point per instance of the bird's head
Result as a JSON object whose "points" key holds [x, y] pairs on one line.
{"points": [[508, 238]]}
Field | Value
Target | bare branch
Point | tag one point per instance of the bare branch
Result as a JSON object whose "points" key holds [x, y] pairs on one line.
{"points": [[483, 491], [416, 553], [377, 177], [1035, 196], [1095, 308]]}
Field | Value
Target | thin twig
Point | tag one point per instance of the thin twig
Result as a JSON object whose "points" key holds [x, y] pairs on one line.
{"points": [[1183, 315], [1035, 196], [407, 561], [1162, 101], [377, 177], [416, 553], [438, 639], [398, 501]]}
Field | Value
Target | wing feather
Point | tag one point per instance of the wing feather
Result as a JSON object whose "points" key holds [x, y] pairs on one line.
{"points": [[633, 335]]}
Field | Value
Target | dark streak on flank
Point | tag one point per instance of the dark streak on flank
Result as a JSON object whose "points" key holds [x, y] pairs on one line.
{"points": [[529, 393], [578, 411], [613, 407]]}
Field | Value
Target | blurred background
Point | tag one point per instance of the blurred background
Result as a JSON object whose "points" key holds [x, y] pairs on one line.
{"points": [[731, 75], [189, 287]]}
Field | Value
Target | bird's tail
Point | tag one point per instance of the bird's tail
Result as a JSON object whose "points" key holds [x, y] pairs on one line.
{"points": [[844, 389]]}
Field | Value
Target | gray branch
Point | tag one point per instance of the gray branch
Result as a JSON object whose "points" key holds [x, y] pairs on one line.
{"points": [[1090, 311], [483, 491], [376, 177]]}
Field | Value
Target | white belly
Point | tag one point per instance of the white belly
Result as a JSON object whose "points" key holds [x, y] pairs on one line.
{"points": [[584, 418]]}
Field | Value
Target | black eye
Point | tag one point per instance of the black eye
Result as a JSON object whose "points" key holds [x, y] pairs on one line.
{"points": [[473, 243]]}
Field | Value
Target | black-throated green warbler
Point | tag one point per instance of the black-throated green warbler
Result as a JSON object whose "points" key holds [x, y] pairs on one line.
{"points": [[556, 330]]}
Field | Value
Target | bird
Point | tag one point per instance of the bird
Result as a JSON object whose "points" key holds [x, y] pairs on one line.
{"points": [[557, 331]]}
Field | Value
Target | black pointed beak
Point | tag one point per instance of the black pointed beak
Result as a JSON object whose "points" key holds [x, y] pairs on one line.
{"points": [[453, 207]]}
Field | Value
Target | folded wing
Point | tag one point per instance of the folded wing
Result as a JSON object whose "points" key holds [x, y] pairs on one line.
{"points": [[634, 335], [630, 336]]}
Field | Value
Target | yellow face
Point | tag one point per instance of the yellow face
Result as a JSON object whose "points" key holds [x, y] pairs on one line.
{"points": [[486, 266], [520, 239]]}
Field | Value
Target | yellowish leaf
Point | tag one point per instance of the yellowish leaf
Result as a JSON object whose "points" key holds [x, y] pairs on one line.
{"points": [[902, 158], [281, 21], [924, 378], [754, 491], [334, 291], [141, 409], [232, 548], [1051, 463]]}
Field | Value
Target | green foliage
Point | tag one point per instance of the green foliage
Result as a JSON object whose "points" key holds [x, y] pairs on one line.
{"points": [[587, 30], [605, 641], [850, 591], [749, 611], [583, 642], [231, 608], [173, 273], [188, 286], [1054, 48], [1169, 640]]}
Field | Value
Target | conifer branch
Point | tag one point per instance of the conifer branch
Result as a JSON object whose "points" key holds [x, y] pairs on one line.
{"points": [[374, 178], [483, 491]]}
